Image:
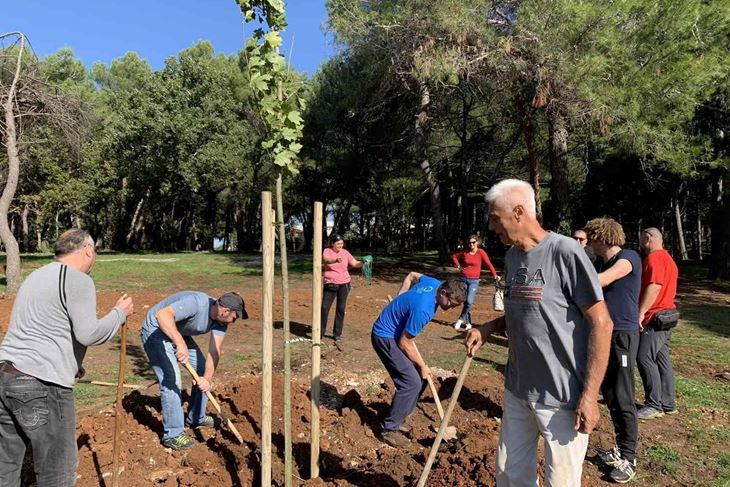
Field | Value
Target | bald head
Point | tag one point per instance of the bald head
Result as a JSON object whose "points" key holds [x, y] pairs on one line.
{"points": [[511, 193], [651, 240]]}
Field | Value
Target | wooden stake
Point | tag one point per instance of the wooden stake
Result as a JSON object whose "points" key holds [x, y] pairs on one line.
{"points": [[118, 410], [215, 404], [287, 345], [444, 422], [316, 340], [267, 335]]}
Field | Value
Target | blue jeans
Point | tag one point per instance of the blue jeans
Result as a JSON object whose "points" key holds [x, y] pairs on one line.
{"points": [[471, 293], [161, 352], [43, 415]]}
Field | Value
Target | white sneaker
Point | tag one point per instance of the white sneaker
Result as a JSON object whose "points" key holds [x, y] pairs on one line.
{"points": [[467, 326], [458, 323]]}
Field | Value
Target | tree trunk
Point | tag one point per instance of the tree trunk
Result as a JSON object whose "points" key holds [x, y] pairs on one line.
{"points": [[528, 129], [680, 230], [720, 230], [133, 227], [559, 219], [434, 191], [699, 234], [12, 263], [24, 226]]}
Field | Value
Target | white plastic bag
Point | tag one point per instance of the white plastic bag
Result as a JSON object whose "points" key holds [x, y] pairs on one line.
{"points": [[498, 300]]}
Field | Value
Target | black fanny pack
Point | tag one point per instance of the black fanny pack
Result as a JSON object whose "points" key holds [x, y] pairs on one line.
{"points": [[665, 319]]}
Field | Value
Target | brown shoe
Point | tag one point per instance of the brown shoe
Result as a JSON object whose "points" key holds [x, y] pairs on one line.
{"points": [[396, 439], [406, 430]]}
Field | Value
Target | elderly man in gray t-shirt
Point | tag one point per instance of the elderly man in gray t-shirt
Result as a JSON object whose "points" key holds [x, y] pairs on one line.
{"points": [[559, 333], [53, 321]]}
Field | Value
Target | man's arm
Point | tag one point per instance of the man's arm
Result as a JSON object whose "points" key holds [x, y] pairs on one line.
{"points": [[211, 362], [407, 343], [587, 414], [648, 298], [620, 269], [410, 280], [478, 336], [166, 319], [81, 304]]}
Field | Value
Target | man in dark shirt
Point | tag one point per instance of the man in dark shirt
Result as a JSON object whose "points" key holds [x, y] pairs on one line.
{"points": [[619, 272]]}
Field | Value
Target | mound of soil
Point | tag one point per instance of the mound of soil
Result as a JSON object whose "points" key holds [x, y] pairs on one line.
{"points": [[351, 453]]}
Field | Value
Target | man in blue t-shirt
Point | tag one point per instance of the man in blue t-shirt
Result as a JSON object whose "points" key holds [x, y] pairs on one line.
{"points": [[394, 340], [619, 272], [167, 339]]}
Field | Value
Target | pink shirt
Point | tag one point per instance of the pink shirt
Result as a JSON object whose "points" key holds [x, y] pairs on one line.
{"points": [[336, 273]]}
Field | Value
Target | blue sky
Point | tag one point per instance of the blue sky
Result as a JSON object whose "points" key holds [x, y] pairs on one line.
{"points": [[103, 30]]}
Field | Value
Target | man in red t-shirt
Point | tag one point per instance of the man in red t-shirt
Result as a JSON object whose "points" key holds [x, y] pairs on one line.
{"points": [[658, 289]]}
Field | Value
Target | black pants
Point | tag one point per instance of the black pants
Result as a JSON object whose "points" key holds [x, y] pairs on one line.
{"points": [[619, 393], [332, 291]]}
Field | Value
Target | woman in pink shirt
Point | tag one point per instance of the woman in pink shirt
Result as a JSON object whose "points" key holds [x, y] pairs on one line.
{"points": [[336, 282], [469, 262]]}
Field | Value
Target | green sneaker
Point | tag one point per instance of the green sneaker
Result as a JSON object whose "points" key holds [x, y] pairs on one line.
{"points": [[180, 442], [207, 422]]}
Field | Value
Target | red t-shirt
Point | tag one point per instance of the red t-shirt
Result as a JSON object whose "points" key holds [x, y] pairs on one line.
{"points": [[471, 265], [659, 268]]}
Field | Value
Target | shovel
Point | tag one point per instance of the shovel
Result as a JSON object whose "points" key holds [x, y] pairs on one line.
{"points": [[450, 432], [217, 405], [444, 422]]}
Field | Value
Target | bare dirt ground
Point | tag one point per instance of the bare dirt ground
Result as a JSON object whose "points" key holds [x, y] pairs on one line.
{"points": [[356, 395]]}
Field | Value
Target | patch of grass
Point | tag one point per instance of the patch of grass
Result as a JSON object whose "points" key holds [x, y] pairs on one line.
{"points": [[723, 461], [708, 393], [239, 357], [665, 457], [86, 394]]}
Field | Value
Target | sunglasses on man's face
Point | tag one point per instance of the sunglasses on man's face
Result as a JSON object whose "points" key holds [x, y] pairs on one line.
{"points": [[580, 239]]}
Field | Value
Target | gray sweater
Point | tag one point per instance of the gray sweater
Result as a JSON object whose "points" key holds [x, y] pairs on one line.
{"points": [[46, 341]]}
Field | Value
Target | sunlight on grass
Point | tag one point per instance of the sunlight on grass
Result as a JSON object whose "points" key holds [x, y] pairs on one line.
{"points": [[665, 457]]}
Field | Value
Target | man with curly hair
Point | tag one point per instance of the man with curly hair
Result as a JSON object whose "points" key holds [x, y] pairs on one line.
{"points": [[619, 272]]}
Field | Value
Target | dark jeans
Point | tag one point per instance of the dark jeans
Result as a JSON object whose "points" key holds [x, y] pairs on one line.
{"points": [[42, 415], [655, 368], [408, 382], [619, 392], [332, 291]]}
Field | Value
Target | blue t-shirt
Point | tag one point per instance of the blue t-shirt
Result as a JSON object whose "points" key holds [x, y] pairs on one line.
{"points": [[192, 314], [410, 311], [622, 295]]}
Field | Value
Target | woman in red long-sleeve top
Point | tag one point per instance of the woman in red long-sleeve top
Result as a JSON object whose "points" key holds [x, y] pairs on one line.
{"points": [[469, 262]]}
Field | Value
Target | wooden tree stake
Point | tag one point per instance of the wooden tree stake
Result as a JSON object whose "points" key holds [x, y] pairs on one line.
{"points": [[316, 340], [118, 410], [267, 246]]}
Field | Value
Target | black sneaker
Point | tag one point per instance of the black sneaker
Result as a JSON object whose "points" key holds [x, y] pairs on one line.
{"points": [[207, 422], [623, 471], [396, 439], [610, 457], [180, 442]]}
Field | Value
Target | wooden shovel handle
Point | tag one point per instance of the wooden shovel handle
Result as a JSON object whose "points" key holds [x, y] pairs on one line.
{"points": [[435, 395], [215, 404], [118, 405], [444, 422]]}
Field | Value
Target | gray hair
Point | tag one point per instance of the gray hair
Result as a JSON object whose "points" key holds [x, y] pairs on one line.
{"points": [[515, 192], [72, 240]]}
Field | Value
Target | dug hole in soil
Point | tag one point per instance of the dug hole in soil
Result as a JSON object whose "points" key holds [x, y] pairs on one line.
{"points": [[351, 454]]}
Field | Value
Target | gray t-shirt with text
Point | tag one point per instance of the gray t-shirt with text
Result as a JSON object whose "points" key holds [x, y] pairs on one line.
{"points": [[192, 314], [546, 287]]}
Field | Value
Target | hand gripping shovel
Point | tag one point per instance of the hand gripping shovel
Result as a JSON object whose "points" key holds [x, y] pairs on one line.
{"points": [[450, 433], [444, 422], [215, 404]]}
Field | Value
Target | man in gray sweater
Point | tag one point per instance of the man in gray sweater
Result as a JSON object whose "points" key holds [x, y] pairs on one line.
{"points": [[52, 322]]}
